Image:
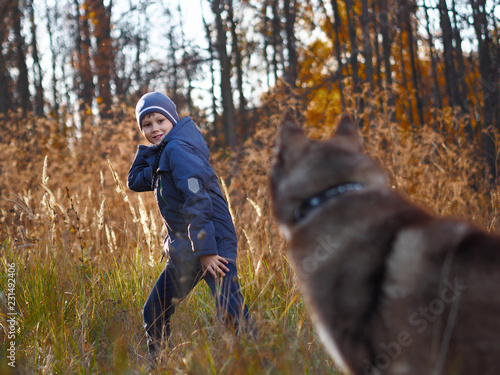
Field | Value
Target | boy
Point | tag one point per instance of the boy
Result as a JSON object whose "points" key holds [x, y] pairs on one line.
{"points": [[201, 240]]}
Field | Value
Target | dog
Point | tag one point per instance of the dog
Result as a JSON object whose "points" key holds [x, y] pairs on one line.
{"points": [[392, 289]]}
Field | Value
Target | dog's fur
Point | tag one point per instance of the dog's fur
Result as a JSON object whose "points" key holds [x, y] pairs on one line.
{"points": [[392, 288]]}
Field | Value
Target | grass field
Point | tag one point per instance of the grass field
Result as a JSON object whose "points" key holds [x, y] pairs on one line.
{"points": [[80, 252]]}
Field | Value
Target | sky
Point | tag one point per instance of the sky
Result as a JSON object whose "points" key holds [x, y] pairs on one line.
{"points": [[193, 28], [192, 25]]}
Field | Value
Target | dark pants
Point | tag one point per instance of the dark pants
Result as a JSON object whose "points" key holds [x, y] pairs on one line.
{"points": [[175, 283]]}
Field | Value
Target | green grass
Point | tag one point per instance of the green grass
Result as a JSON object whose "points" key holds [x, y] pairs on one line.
{"points": [[85, 317]]}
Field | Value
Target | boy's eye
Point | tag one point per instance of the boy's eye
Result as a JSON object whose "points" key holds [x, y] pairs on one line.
{"points": [[146, 125]]}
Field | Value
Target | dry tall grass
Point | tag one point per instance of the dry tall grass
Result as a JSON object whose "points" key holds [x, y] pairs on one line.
{"points": [[87, 251]]}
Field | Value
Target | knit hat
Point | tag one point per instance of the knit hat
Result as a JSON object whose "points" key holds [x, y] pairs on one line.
{"points": [[156, 102]]}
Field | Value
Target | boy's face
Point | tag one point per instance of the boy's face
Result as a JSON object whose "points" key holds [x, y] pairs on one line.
{"points": [[155, 127]]}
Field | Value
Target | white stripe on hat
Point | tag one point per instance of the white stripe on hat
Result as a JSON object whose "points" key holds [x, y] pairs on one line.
{"points": [[161, 109]]}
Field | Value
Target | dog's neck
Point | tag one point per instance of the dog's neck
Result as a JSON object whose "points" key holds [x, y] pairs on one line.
{"points": [[317, 200]]}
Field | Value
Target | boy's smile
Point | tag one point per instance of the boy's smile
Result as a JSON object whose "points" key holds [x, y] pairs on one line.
{"points": [[155, 127]]}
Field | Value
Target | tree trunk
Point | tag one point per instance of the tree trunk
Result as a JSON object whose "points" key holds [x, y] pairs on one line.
{"points": [[84, 76], [50, 22], [351, 26], [103, 60], [5, 79], [378, 57], [276, 41], [430, 40], [290, 14], [67, 113], [489, 84], [137, 71], [407, 9], [264, 30], [229, 115], [385, 23], [172, 61], [238, 62], [23, 89], [409, 109], [186, 64], [460, 62], [452, 87], [212, 76], [367, 47], [37, 70], [336, 26]]}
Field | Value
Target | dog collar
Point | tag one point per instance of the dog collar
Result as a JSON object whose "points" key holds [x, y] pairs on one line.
{"points": [[318, 199]]}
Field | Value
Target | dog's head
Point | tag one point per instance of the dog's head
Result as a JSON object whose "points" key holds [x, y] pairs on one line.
{"points": [[304, 168]]}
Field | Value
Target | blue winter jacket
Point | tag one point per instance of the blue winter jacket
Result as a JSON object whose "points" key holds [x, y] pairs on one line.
{"points": [[188, 194]]}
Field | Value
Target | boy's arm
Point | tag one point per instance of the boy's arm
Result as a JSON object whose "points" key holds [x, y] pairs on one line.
{"points": [[191, 177], [139, 175]]}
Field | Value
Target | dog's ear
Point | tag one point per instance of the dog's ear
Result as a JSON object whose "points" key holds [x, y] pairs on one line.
{"points": [[348, 129], [292, 138], [288, 120]]}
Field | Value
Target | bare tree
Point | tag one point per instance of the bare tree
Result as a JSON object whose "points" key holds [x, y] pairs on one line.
{"points": [[229, 114], [384, 23], [276, 40], [430, 40], [459, 55], [100, 15], [336, 27], [212, 76], [37, 69], [84, 81], [489, 73], [264, 31], [409, 106], [452, 87], [23, 90], [407, 8], [238, 63], [173, 64], [351, 25], [5, 78], [376, 47], [290, 9], [367, 47], [51, 15]]}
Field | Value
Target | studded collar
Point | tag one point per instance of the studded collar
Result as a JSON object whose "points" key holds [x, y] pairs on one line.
{"points": [[317, 200]]}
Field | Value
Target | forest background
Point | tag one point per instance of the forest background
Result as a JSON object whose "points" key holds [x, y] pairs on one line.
{"points": [[421, 77]]}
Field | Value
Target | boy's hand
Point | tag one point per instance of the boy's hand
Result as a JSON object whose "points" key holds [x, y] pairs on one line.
{"points": [[214, 264]]}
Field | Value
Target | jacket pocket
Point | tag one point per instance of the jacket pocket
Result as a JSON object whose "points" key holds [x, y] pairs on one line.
{"points": [[180, 252]]}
